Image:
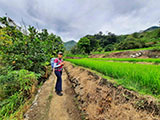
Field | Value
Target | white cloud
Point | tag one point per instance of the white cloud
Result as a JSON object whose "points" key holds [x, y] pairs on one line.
{"points": [[72, 19]]}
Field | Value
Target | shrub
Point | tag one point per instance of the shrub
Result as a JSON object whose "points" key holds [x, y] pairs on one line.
{"points": [[28, 51]]}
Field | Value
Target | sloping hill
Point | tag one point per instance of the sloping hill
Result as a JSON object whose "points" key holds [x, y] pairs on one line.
{"points": [[68, 45], [152, 28]]}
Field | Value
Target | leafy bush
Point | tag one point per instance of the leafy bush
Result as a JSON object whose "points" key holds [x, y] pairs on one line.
{"points": [[19, 55], [29, 51]]}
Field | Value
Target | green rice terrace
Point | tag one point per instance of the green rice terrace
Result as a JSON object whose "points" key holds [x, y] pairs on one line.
{"points": [[140, 77]]}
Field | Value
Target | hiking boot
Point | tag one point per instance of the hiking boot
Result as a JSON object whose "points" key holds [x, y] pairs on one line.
{"points": [[59, 93]]}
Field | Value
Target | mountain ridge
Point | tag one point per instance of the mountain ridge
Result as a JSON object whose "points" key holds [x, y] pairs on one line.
{"points": [[69, 44]]}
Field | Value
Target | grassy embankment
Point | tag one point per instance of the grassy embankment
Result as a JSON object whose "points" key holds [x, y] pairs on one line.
{"points": [[153, 60], [139, 49]]}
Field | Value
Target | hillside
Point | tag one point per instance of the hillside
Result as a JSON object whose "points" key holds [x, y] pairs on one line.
{"points": [[152, 28], [111, 42], [69, 44]]}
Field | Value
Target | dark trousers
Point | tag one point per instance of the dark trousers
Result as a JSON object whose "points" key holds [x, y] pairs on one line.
{"points": [[58, 86]]}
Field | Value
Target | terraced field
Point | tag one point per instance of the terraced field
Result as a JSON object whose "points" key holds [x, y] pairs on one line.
{"points": [[140, 77], [152, 60]]}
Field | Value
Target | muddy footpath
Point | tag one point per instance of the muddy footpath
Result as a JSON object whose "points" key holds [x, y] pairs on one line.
{"points": [[88, 96]]}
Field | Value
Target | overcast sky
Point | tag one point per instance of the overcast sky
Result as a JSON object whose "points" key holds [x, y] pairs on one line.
{"points": [[73, 19]]}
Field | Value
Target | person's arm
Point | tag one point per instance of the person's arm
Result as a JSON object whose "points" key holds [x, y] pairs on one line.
{"points": [[55, 65]]}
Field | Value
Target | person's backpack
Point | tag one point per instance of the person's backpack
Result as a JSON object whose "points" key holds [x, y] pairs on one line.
{"points": [[52, 62]]}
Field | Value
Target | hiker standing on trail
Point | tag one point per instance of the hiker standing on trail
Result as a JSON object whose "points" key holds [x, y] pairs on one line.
{"points": [[58, 65]]}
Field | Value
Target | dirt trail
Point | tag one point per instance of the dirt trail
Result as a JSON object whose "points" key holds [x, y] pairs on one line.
{"points": [[63, 107], [49, 106], [40, 106]]}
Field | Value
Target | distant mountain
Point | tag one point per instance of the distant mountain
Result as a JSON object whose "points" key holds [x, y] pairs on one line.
{"points": [[151, 28], [68, 45]]}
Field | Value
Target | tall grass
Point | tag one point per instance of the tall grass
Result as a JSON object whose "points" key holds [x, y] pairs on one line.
{"points": [[155, 60], [144, 78], [15, 90]]}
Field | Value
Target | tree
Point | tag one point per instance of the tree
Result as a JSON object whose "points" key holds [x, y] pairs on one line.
{"points": [[84, 45], [130, 43], [135, 35], [112, 38], [109, 47], [75, 50], [28, 51], [94, 43]]}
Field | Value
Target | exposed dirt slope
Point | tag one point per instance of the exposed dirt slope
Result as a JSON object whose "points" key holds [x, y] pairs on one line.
{"points": [[101, 100], [129, 54]]}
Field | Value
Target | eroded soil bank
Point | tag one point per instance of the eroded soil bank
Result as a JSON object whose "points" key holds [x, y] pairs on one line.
{"points": [[99, 99], [129, 54]]}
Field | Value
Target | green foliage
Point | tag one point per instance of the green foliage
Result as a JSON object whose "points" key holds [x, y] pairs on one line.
{"points": [[84, 45], [109, 47], [69, 44], [101, 42], [75, 50], [15, 89], [3, 20], [140, 77], [28, 51], [93, 43], [97, 42], [19, 55], [101, 52], [135, 35], [130, 43]]}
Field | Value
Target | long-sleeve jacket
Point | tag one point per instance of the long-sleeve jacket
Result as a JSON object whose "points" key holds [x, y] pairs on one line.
{"points": [[57, 65]]}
